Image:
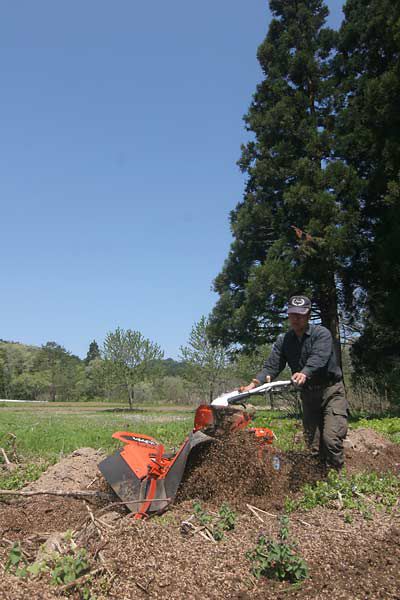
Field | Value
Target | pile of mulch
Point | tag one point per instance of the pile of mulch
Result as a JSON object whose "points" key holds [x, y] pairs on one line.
{"points": [[155, 560], [233, 469]]}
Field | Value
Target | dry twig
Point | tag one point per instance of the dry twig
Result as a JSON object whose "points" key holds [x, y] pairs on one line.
{"points": [[92, 482], [93, 520], [249, 506], [10, 466], [142, 587], [80, 580], [203, 530], [253, 511]]}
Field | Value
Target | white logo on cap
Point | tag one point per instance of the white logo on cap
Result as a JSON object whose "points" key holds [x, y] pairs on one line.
{"points": [[298, 301]]}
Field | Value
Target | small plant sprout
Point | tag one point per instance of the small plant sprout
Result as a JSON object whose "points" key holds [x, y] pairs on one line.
{"points": [[216, 525], [277, 559]]}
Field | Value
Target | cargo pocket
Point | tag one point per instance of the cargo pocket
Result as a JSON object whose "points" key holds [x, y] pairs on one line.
{"points": [[338, 422]]}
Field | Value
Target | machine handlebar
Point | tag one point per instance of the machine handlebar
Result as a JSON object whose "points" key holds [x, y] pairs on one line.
{"points": [[237, 397]]}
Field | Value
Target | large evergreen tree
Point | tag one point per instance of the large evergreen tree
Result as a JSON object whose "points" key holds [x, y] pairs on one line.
{"points": [[369, 140], [93, 353], [295, 228]]}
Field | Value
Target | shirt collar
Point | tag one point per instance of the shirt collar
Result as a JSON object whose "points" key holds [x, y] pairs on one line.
{"points": [[307, 331]]}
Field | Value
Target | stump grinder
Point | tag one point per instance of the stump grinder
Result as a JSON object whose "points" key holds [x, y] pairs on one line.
{"points": [[146, 478]]}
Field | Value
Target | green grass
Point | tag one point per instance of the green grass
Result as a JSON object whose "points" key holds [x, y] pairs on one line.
{"points": [[22, 475], [48, 431], [285, 428], [45, 432]]}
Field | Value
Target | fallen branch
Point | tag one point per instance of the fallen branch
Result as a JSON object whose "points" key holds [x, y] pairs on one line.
{"points": [[6, 459], [77, 494]]}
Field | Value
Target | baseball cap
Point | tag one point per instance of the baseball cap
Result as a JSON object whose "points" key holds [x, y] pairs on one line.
{"points": [[299, 304]]}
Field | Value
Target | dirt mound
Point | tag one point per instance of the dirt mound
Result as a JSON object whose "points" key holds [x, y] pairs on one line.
{"points": [[43, 514], [77, 471], [234, 469], [365, 440], [381, 461]]}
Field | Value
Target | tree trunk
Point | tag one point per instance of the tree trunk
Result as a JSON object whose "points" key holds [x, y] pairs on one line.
{"points": [[329, 314], [131, 396]]}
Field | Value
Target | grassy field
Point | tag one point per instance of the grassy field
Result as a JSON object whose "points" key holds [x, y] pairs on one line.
{"points": [[51, 430], [42, 433]]}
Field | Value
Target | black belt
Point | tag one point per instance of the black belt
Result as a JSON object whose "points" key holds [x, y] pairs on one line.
{"points": [[315, 387]]}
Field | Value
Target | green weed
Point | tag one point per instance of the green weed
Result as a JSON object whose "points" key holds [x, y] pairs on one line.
{"points": [[284, 427], [22, 475], [16, 562], [62, 568], [225, 522], [277, 559], [68, 567], [203, 517], [361, 491]]}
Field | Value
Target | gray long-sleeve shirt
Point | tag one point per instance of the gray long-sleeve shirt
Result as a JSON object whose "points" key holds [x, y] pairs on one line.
{"points": [[313, 355]]}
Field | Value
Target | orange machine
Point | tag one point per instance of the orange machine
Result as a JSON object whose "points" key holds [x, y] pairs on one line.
{"points": [[147, 479]]}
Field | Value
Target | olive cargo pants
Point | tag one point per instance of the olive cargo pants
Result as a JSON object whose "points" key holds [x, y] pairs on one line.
{"points": [[325, 411]]}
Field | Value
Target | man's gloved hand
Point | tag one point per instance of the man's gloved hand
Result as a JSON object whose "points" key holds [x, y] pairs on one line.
{"points": [[299, 378], [254, 383]]}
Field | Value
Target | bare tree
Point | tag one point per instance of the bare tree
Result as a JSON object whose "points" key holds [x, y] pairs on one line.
{"points": [[130, 358], [206, 364]]}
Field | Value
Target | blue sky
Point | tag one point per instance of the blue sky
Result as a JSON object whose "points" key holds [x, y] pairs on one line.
{"points": [[121, 125]]}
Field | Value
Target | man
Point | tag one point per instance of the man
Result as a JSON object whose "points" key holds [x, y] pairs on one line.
{"points": [[308, 350]]}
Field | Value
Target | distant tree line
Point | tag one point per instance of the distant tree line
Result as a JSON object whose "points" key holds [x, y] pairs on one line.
{"points": [[127, 367]]}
